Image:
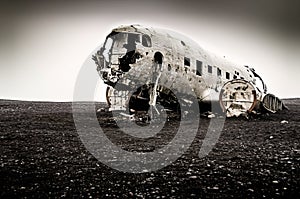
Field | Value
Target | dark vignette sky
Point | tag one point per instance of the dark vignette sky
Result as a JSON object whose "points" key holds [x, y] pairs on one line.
{"points": [[44, 43]]}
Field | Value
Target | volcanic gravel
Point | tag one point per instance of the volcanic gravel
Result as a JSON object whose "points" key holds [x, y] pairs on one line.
{"points": [[42, 156]]}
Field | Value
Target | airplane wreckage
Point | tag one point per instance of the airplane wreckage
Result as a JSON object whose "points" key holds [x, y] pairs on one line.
{"points": [[143, 66]]}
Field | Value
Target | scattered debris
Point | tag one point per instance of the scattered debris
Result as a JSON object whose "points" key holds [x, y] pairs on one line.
{"points": [[284, 122]]}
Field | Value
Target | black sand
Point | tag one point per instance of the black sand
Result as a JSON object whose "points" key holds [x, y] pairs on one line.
{"points": [[42, 156]]}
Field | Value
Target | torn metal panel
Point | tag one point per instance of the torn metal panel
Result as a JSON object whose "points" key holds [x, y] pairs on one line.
{"points": [[272, 103]]}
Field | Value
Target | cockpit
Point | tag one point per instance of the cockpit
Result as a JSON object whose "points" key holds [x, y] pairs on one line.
{"points": [[118, 43], [120, 49]]}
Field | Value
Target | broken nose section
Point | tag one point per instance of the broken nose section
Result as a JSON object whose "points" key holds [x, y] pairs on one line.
{"points": [[239, 97]]}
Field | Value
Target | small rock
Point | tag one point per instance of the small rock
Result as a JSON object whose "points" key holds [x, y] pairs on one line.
{"points": [[284, 122], [101, 110], [211, 116]]}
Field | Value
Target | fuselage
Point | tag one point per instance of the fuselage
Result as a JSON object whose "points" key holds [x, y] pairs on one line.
{"points": [[134, 53]]}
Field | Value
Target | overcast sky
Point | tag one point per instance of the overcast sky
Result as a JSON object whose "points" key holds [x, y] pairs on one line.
{"points": [[43, 45]]}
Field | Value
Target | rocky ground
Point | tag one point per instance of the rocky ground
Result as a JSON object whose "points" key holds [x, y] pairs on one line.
{"points": [[42, 156]]}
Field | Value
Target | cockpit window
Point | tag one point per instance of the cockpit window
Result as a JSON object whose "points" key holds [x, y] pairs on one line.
{"points": [[122, 42], [146, 41], [107, 49], [119, 40], [132, 40]]}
